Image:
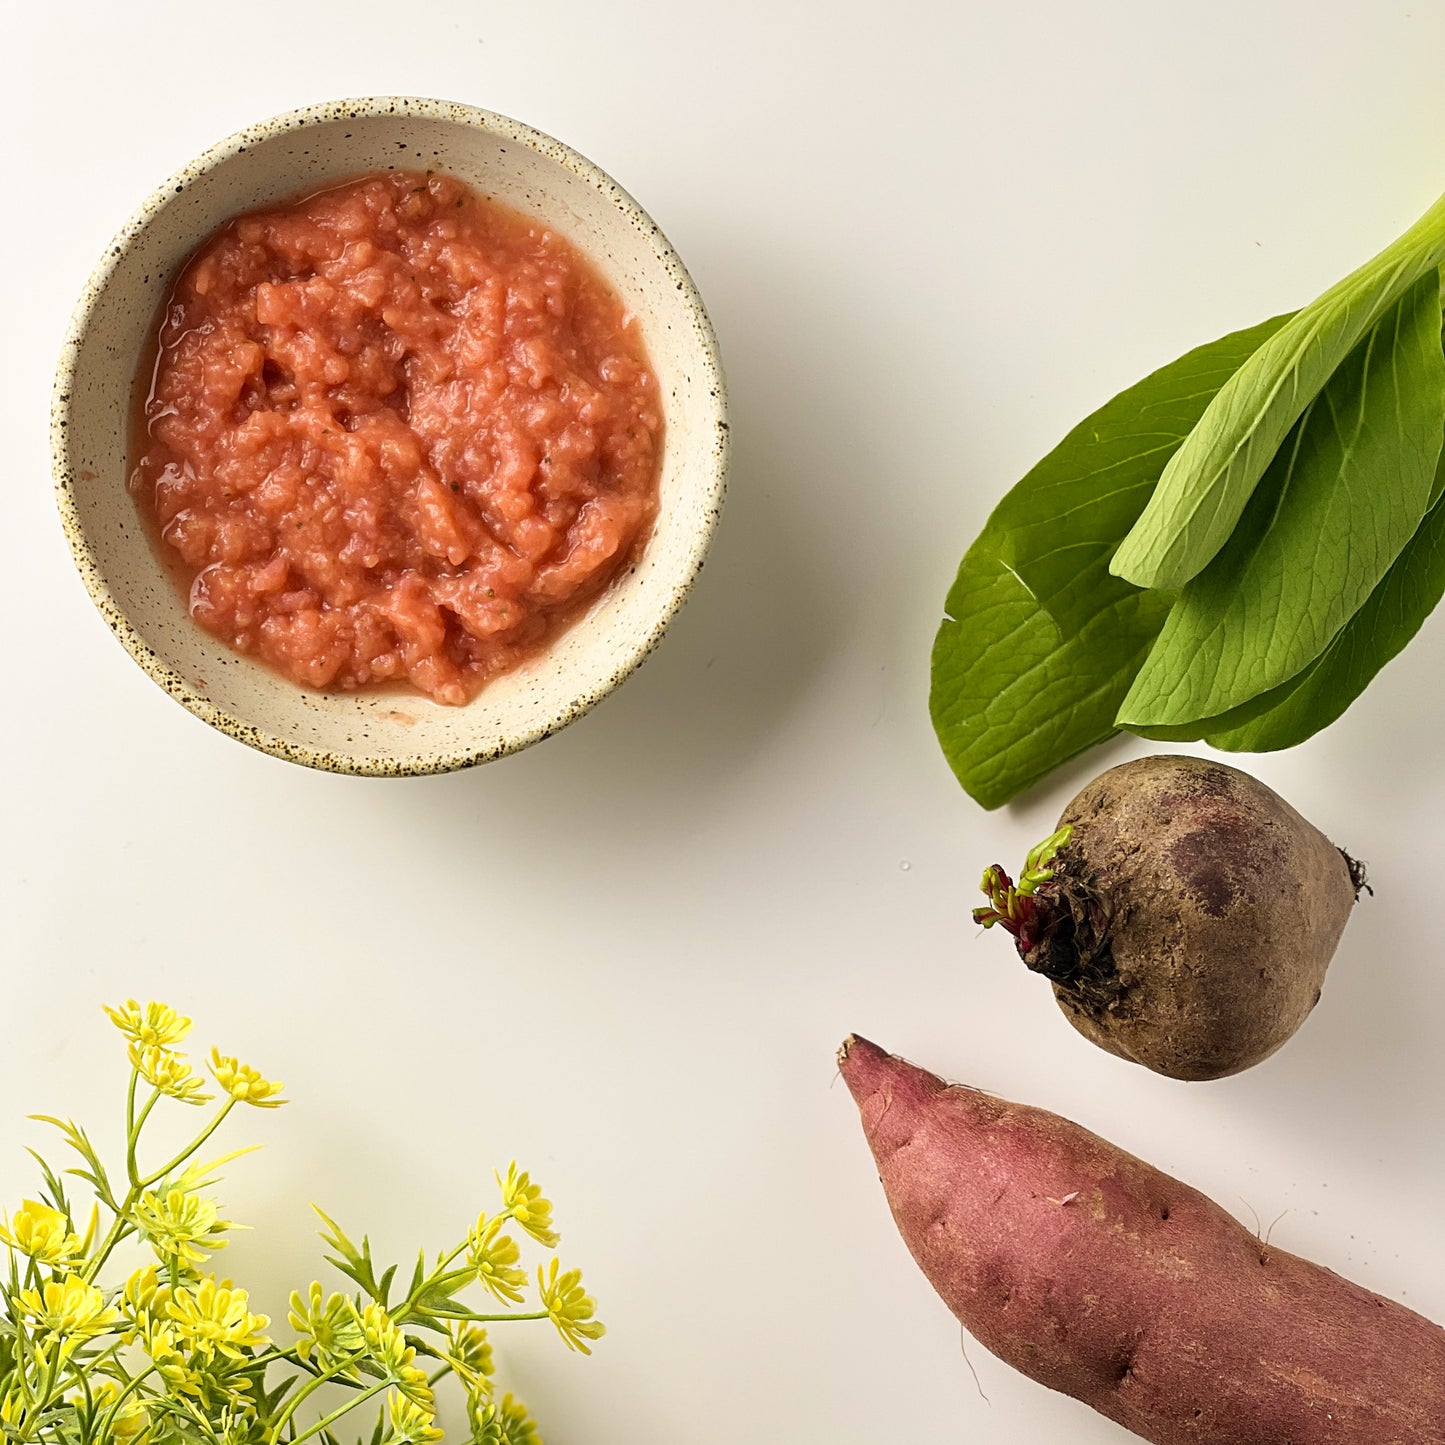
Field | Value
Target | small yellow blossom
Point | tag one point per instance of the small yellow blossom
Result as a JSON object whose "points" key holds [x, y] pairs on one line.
{"points": [[526, 1204], [389, 1350], [159, 1340], [570, 1307], [327, 1327], [130, 1418], [69, 1308], [42, 1233], [469, 1353], [141, 1291], [157, 1025], [213, 1318], [494, 1256], [169, 1072], [245, 1084], [12, 1412], [383, 1340], [504, 1422], [180, 1226], [411, 1424], [142, 1299], [411, 1380], [158, 1336], [180, 1376]]}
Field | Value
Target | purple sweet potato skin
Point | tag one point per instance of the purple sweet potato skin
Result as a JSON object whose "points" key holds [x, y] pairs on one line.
{"points": [[1098, 1275]]}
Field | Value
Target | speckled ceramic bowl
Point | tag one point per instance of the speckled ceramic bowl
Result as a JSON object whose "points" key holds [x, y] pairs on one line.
{"points": [[389, 733]]}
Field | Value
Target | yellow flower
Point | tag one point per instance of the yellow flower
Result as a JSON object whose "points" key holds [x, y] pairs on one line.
{"points": [[43, 1233], [179, 1375], [159, 1341], [381, 1337], [527, 1205], [69, 1308], [169, 1072], [570, 1307], [469, 1353], [389, 1350], [12, 1412], [329, 1329], [504, 1423], [141, 1291], [157, 1025], [411, 1380], [142, 1298], [130, 1419], [213, 1318], [180, 1226], [244, 1084], [411, 1424], [493, 1255]]}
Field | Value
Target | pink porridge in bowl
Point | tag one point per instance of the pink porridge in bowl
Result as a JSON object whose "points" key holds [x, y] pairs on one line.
{"points": [[395, 433]]}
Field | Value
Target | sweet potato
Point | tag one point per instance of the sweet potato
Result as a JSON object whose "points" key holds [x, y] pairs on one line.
{"points": [[1100, 1276]]}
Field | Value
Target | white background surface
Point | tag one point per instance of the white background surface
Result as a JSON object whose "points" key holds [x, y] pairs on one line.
{"points": [[932, 236]]}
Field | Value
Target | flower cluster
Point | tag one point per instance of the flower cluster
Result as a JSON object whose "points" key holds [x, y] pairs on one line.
{"points": [[42, 1234], [244, 1084], [524, 1202], [65, 1310], [174, 1353], [328, 1331], [180, 1226], [494, 1256], [569, 1307]]}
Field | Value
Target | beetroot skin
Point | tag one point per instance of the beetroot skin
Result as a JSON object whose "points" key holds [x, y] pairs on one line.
{"points": [[1098, 1275], [1190, 916]]}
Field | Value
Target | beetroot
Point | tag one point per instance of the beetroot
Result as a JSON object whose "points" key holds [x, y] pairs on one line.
{"points": [[1184, 913]]}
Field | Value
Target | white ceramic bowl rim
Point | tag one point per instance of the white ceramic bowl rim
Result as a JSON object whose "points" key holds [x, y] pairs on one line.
{"points": [[86, 561]]}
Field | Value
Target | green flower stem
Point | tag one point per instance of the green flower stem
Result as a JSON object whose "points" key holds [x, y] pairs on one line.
{"points": [[466, 1314], [452, 1277], [43, 1399], [274, 1357], [107, 1422], [133, 1126], [140, 1123], [327, 1421], [430, 1282], [310, 1388], [290, 1357], [192, 1147], [109, 1352], [22, 1349], [306, 1365], [120, 1226], [131, 1131]]}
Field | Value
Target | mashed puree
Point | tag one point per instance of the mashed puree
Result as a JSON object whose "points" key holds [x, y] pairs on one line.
{"points": [[396, 433]]}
